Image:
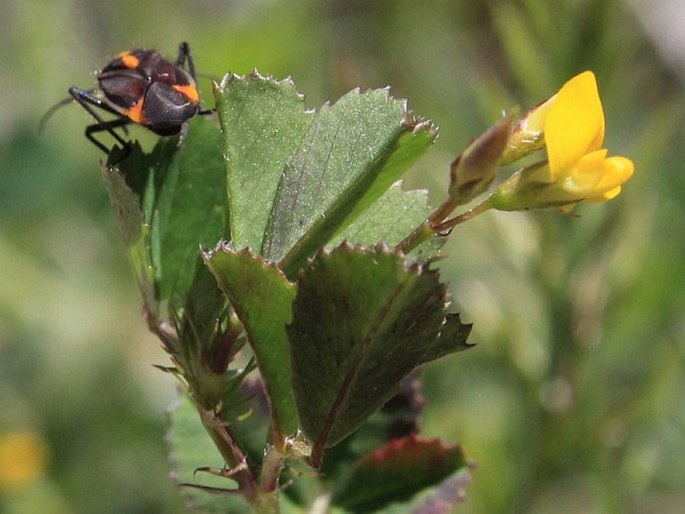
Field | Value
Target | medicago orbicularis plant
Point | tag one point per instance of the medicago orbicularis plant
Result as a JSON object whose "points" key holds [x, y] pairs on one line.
{"points": [[290, 278]]}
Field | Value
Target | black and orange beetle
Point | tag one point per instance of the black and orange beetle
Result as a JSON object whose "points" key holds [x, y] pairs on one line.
{"points": [[141, 87]]}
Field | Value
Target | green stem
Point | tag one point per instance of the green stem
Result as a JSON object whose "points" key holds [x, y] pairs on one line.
{"points": [[426, 229], [266, 497], [436, 223], [461, 218], [272, 465], [419, 235]]}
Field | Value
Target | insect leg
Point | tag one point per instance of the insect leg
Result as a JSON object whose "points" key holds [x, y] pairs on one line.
{"points": [[183, 56], [88, 101], [108, 126]]}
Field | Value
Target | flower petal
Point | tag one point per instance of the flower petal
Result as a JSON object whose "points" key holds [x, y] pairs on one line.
{"points": [[616, 171], [585, 175], [604, 197], [574, 125]]}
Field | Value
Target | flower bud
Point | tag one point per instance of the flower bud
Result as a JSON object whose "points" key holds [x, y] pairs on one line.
{"points": [[474, 170]]}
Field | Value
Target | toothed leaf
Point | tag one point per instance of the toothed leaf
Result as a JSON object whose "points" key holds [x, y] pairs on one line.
{"points": [[352, 152], [396, 472], [296, 177], [262, 298], [262, 122], [453, 336], [362, 320], [180, 192], [126, 194], [394, 215]]}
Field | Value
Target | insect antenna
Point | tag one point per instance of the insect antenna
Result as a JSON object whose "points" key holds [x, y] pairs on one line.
{"points": [[48, 114], [44, 119]]}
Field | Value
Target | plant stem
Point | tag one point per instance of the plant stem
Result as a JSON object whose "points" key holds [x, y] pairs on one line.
{"points": [[262, 495], [465, 216], [272, 465], [419, 235], [436, 223], [231, 452]]}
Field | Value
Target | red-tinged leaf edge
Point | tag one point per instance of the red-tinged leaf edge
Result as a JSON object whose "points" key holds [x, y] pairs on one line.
{"points": [[397, 471]]}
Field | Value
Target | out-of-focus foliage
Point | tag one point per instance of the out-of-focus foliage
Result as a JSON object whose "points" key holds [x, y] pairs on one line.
{"points": [[573, 400]]}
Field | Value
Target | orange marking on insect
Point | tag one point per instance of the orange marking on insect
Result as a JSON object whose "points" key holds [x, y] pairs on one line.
{"points": [[135, 113], [129, 60], [189, 91]]}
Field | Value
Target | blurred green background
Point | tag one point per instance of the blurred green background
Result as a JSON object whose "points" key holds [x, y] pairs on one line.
{"points": [[573, 399]]}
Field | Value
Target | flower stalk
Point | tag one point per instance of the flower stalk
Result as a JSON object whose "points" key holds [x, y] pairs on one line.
{"points": [[438, 224]]}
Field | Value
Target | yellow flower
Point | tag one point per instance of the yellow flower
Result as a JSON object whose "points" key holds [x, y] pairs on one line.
{"points": [[577, 167], [23, 457]]}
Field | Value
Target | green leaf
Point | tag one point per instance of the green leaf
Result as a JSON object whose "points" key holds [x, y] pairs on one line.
{"points": [[396, 472], [352, 152], [262, 298], [126, 192], [394, 215], [362, 320], [453, 336], [262, 121], [182, 195], [416, 138], [189, 204], [295, 177], [398, 418], [192, 448]]}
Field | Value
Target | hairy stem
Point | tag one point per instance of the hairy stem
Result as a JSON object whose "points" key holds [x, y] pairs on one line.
{"points": [[231, 452]]}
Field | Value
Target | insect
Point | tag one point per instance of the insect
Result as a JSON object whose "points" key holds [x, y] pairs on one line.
{"points": [[139, 87]]}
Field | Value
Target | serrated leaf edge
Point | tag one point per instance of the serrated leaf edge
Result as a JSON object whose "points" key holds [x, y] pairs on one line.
{"points": [[230, 77], [408, 264], [409, 267], [227, 247], [409, 121]]}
